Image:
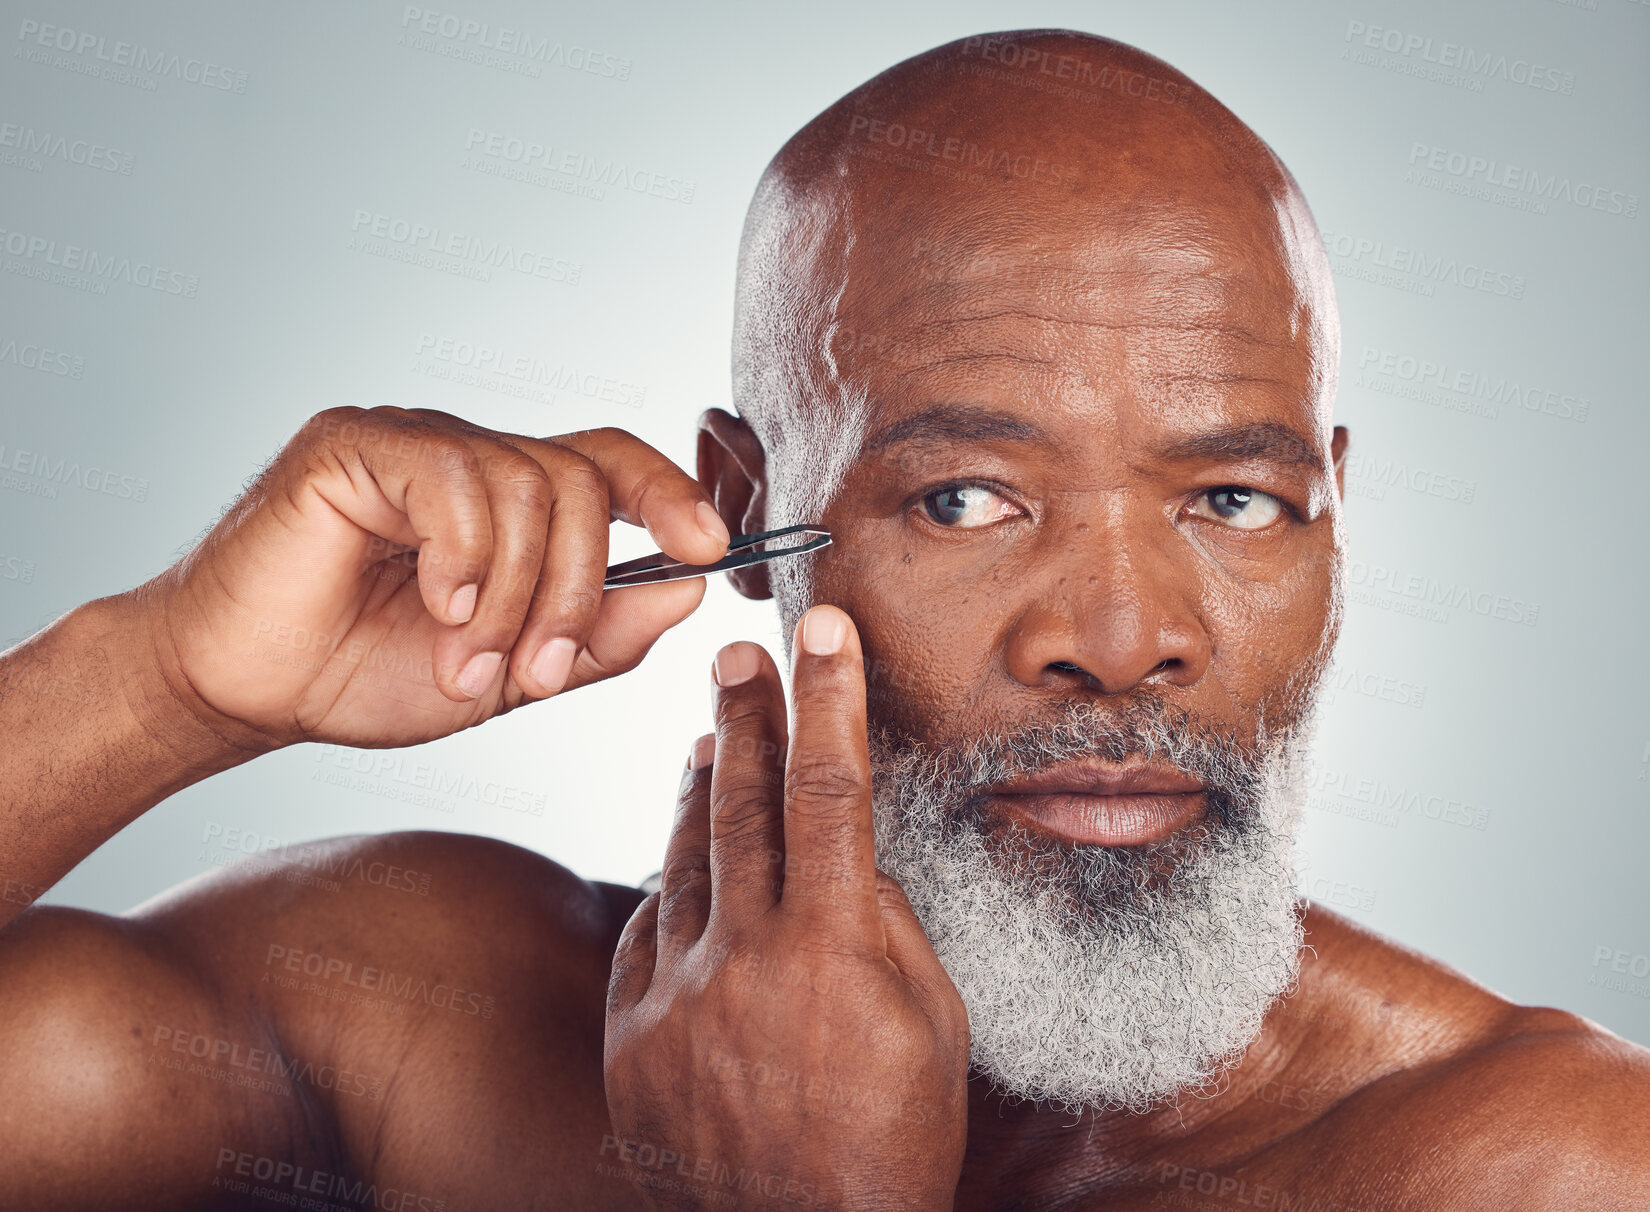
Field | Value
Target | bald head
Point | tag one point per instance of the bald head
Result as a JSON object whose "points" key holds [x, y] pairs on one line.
{"points": [[1049, 170]]}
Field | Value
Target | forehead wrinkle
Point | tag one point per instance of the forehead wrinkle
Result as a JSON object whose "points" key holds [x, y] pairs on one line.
{"points": [[1152, 353], [960, 359], [1118, 301], [1129, 325]]}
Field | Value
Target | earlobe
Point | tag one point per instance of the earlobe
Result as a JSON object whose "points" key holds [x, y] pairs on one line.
{"points": [[733, 467]]}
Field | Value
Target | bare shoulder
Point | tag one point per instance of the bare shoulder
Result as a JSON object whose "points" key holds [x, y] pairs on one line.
{"points": [[375, 884], [353, 943], [1474, 1101], [109, 1036], [332, 1010]]}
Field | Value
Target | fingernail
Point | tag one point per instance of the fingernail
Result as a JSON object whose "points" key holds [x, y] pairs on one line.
{"points": [[703, 750], [462, 604], [478, 673], [736, 663], [552, 663], [711, 523], [824, 631]]}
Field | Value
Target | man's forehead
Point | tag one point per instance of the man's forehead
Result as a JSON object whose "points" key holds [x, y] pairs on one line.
{"points": [[1153, 268], [1103, 318], [1163, 341], [924, 265]]}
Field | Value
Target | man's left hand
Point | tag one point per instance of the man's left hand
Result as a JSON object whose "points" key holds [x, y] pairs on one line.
{"points": [[777, 1020]]}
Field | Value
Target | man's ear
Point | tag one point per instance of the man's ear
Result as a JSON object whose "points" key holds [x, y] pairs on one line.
{"points": [[1337, 455], [733, 467]]}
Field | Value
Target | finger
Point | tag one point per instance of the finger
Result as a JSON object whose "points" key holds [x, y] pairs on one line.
{"points": [[412, 483], [470, 659], [565, 602], [829, 842], [747, 814], [647, 489], [684, 882], [635, 958]]}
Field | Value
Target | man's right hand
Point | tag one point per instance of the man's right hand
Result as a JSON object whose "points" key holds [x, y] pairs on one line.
{"points": [[398, 575]]}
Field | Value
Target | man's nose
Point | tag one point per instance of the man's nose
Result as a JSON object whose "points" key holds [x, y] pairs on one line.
{"points": [[1111, 610]]}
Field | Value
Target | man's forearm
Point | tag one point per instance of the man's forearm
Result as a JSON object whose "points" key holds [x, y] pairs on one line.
{"points": [[91, 736]]}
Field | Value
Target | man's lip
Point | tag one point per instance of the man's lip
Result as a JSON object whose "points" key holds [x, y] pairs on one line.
{"points": [[1099, 778], [1105, 820], [1104, 805]]}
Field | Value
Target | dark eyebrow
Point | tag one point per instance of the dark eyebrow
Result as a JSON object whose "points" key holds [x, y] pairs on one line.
{"points": [[1262, 440], [968, 423], [954, 423]]}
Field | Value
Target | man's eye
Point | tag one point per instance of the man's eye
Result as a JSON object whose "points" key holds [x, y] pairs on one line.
{"points": [[966, 506], [1239, 507]]}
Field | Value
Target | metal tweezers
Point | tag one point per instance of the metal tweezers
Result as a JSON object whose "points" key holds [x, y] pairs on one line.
{"points": [[660, 567]]}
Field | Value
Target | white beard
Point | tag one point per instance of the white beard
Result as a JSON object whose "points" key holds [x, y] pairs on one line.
{"points": [[1098, 976]]}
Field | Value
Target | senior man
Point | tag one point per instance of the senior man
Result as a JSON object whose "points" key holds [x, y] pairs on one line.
{"points": [[1002, 918]]}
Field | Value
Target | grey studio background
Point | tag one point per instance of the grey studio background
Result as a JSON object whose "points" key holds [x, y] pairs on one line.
{"points": [[1481, 776]]}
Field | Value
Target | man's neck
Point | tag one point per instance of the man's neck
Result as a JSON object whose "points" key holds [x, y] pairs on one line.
{"points": [[1034, 1151], [1338, 1030]]}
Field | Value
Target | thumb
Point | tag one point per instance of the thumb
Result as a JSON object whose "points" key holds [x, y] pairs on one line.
{"points": [[908, 947], [634, 958]]}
